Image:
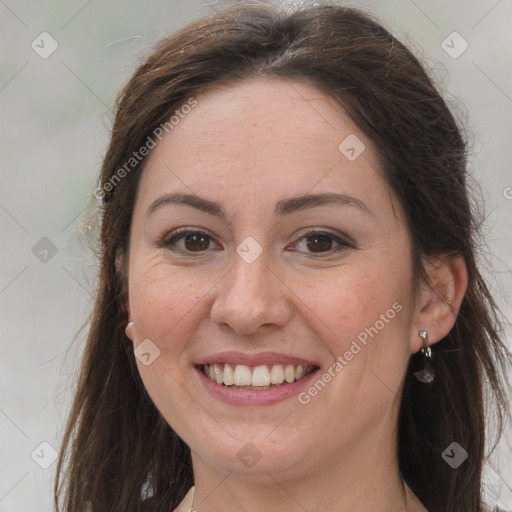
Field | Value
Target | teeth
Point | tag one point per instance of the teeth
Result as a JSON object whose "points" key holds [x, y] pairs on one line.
{"points": [[289, 373], [218, 374], [229, 377], [260, 376], [242, 375], [277, 374], [257, 376]]}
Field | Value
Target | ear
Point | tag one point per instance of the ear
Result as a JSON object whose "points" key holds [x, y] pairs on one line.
{"points": [[440, 299]]}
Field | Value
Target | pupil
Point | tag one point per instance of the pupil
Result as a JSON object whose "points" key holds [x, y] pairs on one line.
{"points": [[318, 239], [196, 238]]}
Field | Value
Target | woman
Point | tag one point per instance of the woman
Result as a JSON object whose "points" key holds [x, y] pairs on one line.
{"points": [[289, 314]]}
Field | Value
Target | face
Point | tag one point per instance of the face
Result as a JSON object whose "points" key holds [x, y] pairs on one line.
{"points": [[260, 244]]}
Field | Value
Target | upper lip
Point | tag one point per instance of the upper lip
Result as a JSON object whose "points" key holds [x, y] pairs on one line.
{"points": [[255, 359]]}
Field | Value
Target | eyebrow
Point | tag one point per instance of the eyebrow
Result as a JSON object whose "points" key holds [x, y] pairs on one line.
{"points": [[283, 207]]}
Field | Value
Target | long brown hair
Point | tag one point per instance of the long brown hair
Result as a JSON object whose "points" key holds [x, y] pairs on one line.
{"points": [[116, 443]]}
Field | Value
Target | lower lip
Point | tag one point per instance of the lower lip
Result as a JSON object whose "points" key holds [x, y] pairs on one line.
{"points": [[248, 397]]}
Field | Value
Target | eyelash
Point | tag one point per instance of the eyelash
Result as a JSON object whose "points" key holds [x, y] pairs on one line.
{"points": [[169, 241]]}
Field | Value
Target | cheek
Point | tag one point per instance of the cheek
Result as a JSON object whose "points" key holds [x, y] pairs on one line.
{"points": [[348, 303], [165, 303], [362, 315], [166, 308]]}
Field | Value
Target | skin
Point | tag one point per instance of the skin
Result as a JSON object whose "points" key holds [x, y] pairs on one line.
{"points": [[246, 146]]}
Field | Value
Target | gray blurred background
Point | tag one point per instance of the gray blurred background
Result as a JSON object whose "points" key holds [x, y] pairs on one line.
{"points": [[61, 64]]}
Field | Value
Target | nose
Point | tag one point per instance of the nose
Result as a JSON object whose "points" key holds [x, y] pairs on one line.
{"points": [[251, 296]]}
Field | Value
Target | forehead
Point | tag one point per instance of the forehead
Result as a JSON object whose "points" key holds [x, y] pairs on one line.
{"points": [[283, 115], [265, 138]]}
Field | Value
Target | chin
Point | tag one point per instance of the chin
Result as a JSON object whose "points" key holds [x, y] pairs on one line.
{"points": [[255, 456]]}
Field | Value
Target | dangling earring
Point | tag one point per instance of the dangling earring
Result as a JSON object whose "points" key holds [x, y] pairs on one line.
{"points": [[427, 375]]}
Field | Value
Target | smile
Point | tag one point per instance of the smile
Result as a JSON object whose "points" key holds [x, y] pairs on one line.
{"points": [[261, 377]]}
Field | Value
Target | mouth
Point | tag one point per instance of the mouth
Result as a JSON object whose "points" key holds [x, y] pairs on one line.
{"points": [[255, 378]]}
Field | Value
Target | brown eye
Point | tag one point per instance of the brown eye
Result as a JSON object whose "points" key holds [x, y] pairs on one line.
{"points": [[187, 241], [319, 242], [197, 242]]}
